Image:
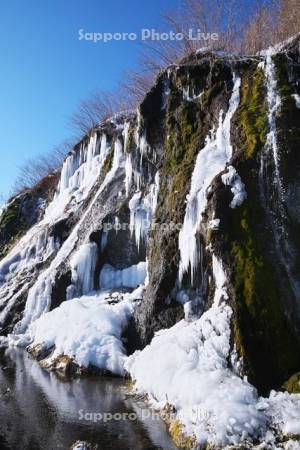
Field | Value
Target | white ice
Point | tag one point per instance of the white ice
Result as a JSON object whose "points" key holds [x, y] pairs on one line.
{"points": [[297, 100], [274, 104], [211, 160], [221, 408], [142, 211], [87, 329], [39, 296], [231, 178], [83, 264], [131, 277]]}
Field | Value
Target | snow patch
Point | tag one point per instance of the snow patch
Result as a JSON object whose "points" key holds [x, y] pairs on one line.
{"points": [[189, 94], [214, 224]]}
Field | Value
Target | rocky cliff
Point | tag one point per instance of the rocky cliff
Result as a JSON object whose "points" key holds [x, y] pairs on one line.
{"points": [[196, 199]]}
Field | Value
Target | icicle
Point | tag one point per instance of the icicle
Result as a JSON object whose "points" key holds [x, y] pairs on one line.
{"points": [[78, 176], [220, 281], [143, 147], [39, 296], [126, 135], [104, 239], [83, 264], [211, 160], [142, 211], [131, 277], [274, 104], [128, 173], [137, 215]]}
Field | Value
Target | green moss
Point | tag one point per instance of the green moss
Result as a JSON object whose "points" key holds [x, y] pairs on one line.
{"points": [[262, 332], [131, 141], [181, 440], [186, 126], [184, 137], [12, 226], [293, 384], [252, 113], [261, 329], [108, 162], [288, 120]]}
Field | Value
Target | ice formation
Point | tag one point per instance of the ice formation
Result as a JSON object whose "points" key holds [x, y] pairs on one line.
{"points": [[214, 224], [78, 175], [274, 104], [189, 94], [83, 264], [34, 248], [39, 296], [131, 277], [211, 160], [231, 178], [297, 100], [128, 173], [142, 211]]}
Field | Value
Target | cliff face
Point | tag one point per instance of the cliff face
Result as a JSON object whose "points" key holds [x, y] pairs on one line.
{"points": [[257, 240], [212, 160]]}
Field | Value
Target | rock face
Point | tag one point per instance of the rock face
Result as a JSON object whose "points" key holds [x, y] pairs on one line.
{"points": [[239, 201]]}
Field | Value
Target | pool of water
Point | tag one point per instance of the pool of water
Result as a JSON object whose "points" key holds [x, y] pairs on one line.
{"points": [[40, 412]]}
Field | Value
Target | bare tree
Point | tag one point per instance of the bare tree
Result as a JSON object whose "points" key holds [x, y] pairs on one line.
{"points": [[97, 107], [33, 170], [288, 19], [135, 86], [260, 32], [196, 22]]}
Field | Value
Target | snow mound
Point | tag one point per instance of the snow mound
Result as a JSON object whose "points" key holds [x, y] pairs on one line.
{"points": [[221, 408], [87, 329]]}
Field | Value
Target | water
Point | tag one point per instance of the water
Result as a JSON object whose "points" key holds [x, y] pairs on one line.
{"points": [[40, 412]]}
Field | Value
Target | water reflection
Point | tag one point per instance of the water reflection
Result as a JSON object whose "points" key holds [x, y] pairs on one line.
{"points": [[39, 412]]}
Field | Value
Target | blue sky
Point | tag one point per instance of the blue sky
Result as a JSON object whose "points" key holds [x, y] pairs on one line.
{"points": [[46, 70]]}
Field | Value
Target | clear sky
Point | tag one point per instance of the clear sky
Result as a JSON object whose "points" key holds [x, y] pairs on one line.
{"points": [[45, 70]]}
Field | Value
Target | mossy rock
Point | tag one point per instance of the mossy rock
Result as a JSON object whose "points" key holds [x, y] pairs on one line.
{"points": [[180, 438], [108, 162], [12, 224], [252, 112], [262, 328], [292, 385]]}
